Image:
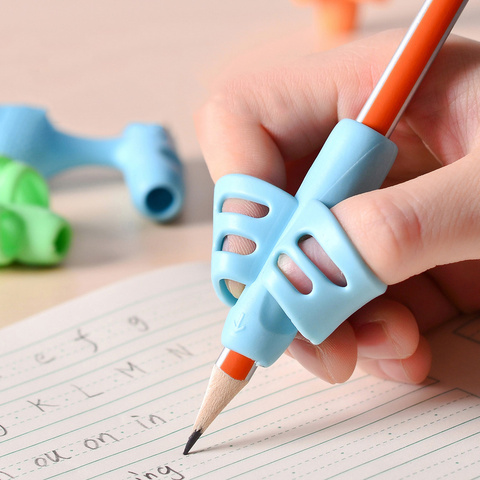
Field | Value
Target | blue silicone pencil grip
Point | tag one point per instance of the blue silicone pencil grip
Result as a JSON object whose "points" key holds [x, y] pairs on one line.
{"points": [[144, 154], [270, 311]]}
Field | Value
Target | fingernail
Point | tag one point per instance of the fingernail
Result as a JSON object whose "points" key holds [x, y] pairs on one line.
{"points": [[413, 369], [283, 262], [374, 341], [395, 370], [235, 288]]}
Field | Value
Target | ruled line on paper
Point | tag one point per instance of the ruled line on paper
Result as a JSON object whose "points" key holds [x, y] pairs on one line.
{"points": [[112, 362], [120, 399], [470, 330], [202, 381], [160, 329], [429, 439], [436, 450], [285, 425], [236, 425], [103, 315], [320, 430], [178, 447], [67, 406]]}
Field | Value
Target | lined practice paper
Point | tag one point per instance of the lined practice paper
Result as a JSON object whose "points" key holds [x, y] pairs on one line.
{"points": [[108, 387]]}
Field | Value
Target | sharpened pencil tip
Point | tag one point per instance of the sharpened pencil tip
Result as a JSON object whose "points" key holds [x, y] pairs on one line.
{"points": [[192, 440]]}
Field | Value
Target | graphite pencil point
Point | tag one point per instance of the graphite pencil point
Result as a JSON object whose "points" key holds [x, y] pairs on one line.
{"points": [[196, 434], [222, 388]]}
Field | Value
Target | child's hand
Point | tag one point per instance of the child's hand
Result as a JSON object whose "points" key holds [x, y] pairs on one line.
{"points": [[271, 125]]}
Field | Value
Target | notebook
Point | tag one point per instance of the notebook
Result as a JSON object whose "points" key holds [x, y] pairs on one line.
{"points": [[108, 386]]}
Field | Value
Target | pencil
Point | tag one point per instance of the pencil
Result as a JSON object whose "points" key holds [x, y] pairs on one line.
{"points": [[230, 374], [381, 112], [409, 64]]}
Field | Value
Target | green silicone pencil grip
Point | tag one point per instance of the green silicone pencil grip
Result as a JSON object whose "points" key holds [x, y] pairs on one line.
{"points": [[32, 235], [29, 232], [21, 184]]}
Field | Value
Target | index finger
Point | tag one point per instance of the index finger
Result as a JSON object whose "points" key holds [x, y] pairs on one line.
{"points": [[257, 123]]}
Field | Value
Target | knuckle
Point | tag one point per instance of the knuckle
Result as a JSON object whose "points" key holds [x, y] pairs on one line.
{"points": [[229, 97], [393, 233]]}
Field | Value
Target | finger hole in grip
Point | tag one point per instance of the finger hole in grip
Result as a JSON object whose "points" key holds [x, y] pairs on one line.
{"points": [[232, 261], [240, 246], [245, 207], [317, 314], [239, 243], [294, 274], [317, 255], [238, 265], [242, 211], [246, 211]]}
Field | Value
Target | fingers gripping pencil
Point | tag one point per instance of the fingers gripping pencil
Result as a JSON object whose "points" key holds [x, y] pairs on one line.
{"points": [[356, 158]]}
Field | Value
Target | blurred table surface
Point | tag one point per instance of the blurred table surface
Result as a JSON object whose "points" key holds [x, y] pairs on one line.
{"points": [[98, 66]]}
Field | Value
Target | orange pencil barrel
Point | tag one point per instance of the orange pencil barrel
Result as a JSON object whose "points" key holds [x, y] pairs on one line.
{"points": [[408, 66], [235, 365]]}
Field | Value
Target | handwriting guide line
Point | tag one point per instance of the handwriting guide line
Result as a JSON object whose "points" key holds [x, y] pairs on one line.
{"points": [[185, 387], [346, 420], [264, 397], [252, 417], [416, 443], [113, 362], [119, 399], [352, 431], [102, 316], [179, 446], [160, 329], [145, 416]]}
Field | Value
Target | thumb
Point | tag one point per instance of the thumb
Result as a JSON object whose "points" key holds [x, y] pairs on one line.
{"points": [[411, 227], [399, 231]]}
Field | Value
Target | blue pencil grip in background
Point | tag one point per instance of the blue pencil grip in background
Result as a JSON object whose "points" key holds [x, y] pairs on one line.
{"points": [[144, 154]]}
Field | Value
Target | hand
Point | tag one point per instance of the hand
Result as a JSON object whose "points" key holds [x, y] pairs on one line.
{"points": [[419, 234]]}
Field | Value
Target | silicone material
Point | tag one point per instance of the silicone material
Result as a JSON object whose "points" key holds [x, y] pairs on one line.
{"points": [[21, 184], [29, 232], [270, 311], [144, 154], [32, 235], [12, 232]]}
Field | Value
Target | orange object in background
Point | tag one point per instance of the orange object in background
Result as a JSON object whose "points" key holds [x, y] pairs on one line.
{"points": [[335, 16]]}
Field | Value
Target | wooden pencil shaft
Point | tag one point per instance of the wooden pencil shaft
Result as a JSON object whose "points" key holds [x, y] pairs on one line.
{"points": [[220, 391]]}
